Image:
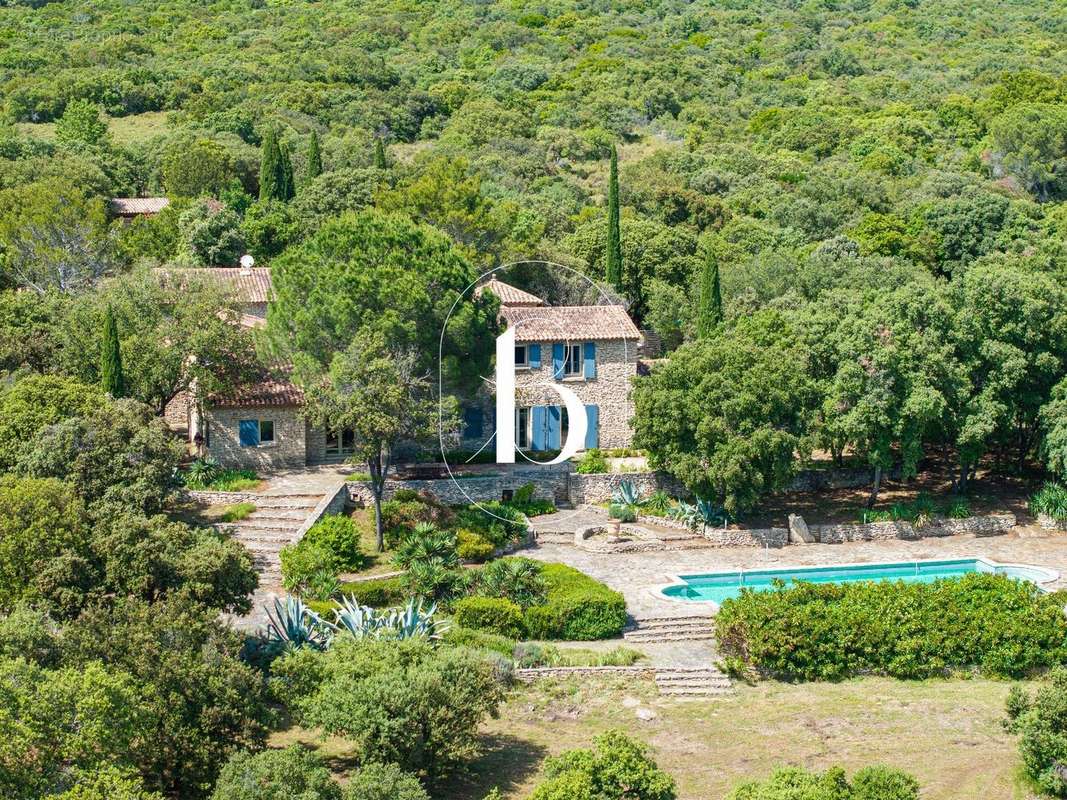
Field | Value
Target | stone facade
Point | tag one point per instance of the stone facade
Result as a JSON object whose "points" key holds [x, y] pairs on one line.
{"points": [[287, 451], [1051, 523], [178, 412]]}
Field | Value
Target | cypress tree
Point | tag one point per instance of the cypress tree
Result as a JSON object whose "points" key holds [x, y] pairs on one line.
{"points": [[710, 313], [314, 157], [613, 266], [111, 358], [379, 154], [286, 184], [270, 167]]}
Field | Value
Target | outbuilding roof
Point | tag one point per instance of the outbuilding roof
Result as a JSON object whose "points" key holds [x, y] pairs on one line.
{"points": [[568, 323], [272, 391], [249, 285], [133, 206], [510, 295]]}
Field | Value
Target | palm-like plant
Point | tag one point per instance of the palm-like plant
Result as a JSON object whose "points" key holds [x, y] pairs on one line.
{"points": [[658, 503], [294, 625], [427, 544], [516, 579]]}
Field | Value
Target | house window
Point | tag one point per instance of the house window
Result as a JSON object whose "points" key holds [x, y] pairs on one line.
{"points": [[340, 443], [522, 427], [572, 361], [254, 432], [521, 359]]}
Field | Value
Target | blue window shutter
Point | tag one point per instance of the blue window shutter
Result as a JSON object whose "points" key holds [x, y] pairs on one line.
{"points": [[554, 426], [249, 432], [557, 360], [590, 360], [538, 427], [533, 355], [472, 419], [592, 432]]}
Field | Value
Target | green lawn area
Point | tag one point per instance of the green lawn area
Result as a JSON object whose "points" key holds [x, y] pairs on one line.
{"points": [[123, 130], [377, 563], [946, 733]]}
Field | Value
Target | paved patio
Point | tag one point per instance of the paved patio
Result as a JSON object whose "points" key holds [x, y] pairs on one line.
{"points": [[636, 575]]}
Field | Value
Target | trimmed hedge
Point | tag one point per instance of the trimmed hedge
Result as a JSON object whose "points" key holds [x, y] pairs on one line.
{"points": [[576, 607], [377, 593], [1000, 626], [493, 614]]}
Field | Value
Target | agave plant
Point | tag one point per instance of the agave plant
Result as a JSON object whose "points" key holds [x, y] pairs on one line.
{"points": [[294, 625], [399, 623], [711, 513], [626, 494]]}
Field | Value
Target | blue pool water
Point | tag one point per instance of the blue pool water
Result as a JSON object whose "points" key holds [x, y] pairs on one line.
{"points": [[718, 586]]}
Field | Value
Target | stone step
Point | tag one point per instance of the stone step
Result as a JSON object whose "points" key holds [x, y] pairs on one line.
{"points": [[295, 514], [669, 636], [692, 619], [287, 503], [703, 691], [282, 525]]}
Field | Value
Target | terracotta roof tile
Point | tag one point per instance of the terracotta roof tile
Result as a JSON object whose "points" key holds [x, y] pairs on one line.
{"points": [[249, 285], [273, 389], [563, 323], [510, 295], [130, 206]]}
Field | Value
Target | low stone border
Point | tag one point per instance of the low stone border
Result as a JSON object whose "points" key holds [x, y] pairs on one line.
{"points": [[530, 674], [729, 537], [213, 498], [1051, 523]]}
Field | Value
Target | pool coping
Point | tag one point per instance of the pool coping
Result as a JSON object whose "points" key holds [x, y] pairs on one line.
{"points": [[1050, 575]]}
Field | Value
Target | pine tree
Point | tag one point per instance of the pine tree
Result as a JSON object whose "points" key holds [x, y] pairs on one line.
{"points": [[710, 315], [286, 183], [314, 168], [379, 154], [270, 167], [613, 266], [111, 358]]}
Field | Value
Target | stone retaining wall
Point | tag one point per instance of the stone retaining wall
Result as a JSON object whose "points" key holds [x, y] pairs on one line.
{"points": [[597, 488], [530, 674], [1051, 523], [220, 498], [462, 491], [333, 501], [991, 525], [729, 537]]}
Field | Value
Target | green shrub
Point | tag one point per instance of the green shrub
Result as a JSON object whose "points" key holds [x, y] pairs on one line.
{"points": [[516, 579], [532, 654], [408, 508], [1050, 500], [658, 503], [471, 546], [458, 636], [617, 766], [534, 508], [960, 509], [592, 462], [622, 512], [276, 775], [1041, 722], [338, 534], [400, 702], [221, 480], [493, 614], [377, 593], [524, 494], [1002, 626], [237, 512], [302, 561], [383, 782], [793, 783], [576, 607], [499, 523]]}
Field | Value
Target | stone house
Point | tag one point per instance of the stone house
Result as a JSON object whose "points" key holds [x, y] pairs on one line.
{"points": [[591, 349]]}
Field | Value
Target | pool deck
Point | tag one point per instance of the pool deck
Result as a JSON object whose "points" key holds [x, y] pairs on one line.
{"points": [[638, 575]]}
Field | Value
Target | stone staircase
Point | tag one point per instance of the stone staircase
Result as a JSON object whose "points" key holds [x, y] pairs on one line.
{"points": [[671, 629], [708, 681], [273, 525]]}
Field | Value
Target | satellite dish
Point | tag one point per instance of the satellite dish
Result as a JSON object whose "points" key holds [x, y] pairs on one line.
{"points": [[247, 261]]}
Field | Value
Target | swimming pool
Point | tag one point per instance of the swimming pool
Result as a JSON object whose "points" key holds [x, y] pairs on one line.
{"points": [[714, 587]]}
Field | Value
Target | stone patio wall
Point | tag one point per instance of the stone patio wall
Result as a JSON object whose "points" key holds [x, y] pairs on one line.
{"points": [[991, 525], [1051, 523], [464, 490], [597, 488]]}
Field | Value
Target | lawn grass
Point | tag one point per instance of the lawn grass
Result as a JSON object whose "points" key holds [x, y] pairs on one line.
{"points": [[947, 733], [123, 130], [237, 512]]}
